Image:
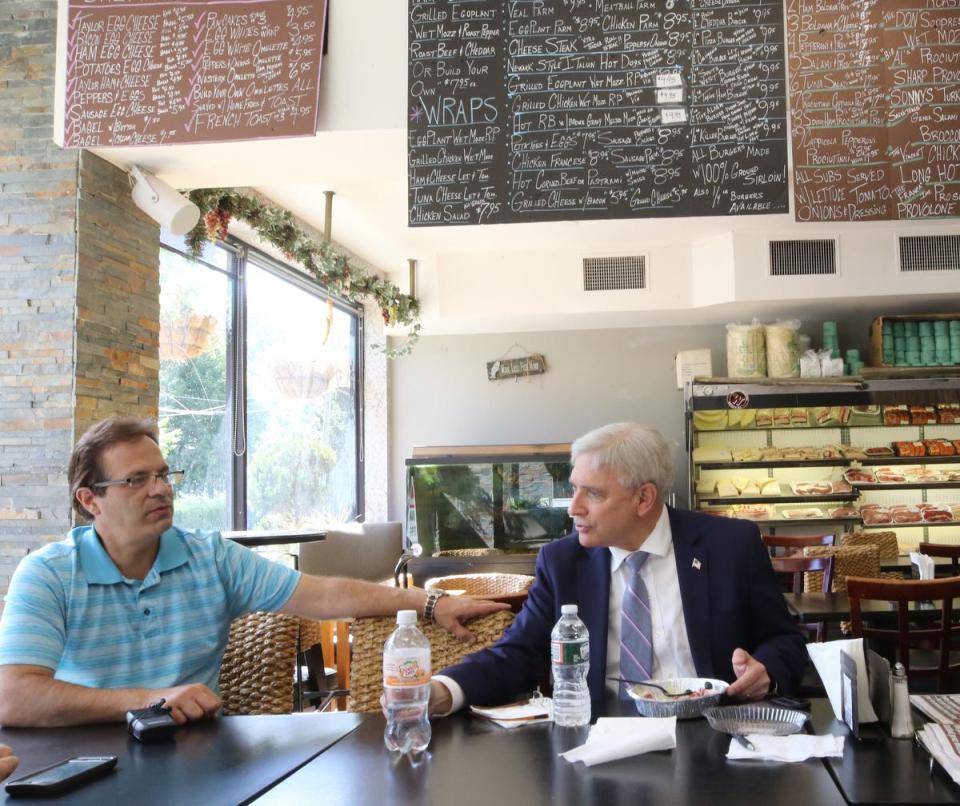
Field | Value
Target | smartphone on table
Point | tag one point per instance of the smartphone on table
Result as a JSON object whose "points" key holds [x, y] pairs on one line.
{"points": [[62, 776]]}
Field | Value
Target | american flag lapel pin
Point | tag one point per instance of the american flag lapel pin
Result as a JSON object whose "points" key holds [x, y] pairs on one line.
{"points": [[696, 563]]}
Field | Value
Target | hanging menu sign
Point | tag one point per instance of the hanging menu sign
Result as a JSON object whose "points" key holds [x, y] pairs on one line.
{"points": [[875, 109], [147, 72], [543, 110]]}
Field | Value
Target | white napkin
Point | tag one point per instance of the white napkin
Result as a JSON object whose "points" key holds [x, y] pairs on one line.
{"points": [[798, 747], [924, 563], [539, 709], [826, 657], [620, 737]]}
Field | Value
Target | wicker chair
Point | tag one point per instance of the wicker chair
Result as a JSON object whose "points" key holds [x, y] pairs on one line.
{"points": [[857, 561], [257, 671], [369, 635], [468, 553], [886, 542], [509, 588]]}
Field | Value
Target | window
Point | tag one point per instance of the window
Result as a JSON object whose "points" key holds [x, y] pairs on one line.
{"points": [[259, 392]]}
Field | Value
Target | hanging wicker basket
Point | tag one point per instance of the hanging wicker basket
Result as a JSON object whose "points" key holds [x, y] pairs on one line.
{"points": [[304, 379], [187, 336]]}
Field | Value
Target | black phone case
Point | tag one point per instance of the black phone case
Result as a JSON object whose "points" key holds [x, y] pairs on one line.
{"points": [[22, 788]]}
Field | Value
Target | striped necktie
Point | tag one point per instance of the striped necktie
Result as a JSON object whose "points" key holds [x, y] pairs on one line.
{"points": [[636, 639]]}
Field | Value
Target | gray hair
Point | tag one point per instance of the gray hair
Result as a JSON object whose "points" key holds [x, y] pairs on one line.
{"points": [[635, 453]]}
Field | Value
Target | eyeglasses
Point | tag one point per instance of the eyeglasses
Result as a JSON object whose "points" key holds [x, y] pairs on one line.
{"points": [[169, 477]]}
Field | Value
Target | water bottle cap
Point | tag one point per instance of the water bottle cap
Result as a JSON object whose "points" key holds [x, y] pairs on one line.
{"points": [[568, 610], [406, 617]]}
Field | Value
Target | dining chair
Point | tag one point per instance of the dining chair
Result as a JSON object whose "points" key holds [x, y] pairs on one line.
{"points": [[509, 588], [925, 647], [943, 550], [795, 544], [366, 551], [885, 541], [369, 635], [796, 567], [258, 668]]}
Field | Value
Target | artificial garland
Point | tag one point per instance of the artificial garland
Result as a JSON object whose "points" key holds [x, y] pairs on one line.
{"points": [[277, 226]]}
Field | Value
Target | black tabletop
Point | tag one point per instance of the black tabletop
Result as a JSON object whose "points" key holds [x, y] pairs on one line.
{"points": [[887, 771], [277, 537], [229, 760], [903, 563], [830, 607], [472, 762]]}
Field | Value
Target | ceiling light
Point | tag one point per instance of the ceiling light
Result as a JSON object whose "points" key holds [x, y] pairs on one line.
{"points": [[171, 210]]}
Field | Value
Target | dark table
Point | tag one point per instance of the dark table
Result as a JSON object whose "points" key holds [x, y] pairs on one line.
{"points": [[474, 763], [229, 760], [888, 771], [832, 607], [276, 537], [942, 565]]}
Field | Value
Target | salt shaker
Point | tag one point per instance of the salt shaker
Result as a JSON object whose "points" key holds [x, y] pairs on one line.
{"points": [[901, 727]]}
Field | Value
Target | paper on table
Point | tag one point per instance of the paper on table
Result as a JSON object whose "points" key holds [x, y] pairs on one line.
{"points": [[620, 737], [943, 743], [538, 709], [925, 564], [826, 657], [798, 747]]}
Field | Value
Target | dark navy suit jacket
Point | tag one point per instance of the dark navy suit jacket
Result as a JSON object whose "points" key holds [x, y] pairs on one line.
{"points": [[731, 598]]}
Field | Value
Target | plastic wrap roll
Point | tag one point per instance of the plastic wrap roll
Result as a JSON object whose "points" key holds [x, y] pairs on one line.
{"points": [[746, 351], [783, 349]]}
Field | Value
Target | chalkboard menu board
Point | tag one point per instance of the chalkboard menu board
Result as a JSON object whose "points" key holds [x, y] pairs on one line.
{"points": [[875, 108], [146, 72], [542, 110]]}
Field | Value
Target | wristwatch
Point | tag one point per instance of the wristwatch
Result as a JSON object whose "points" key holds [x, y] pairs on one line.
{"points": [[429, 609]]}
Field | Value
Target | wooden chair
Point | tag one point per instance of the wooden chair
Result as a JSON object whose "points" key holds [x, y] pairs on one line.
{"points": [[359, 551], [911, 641], [943, 550], [796, 567], [795, 544], [369, 635]]}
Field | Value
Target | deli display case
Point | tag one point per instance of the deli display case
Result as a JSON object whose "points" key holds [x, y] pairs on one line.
{"points": [[512, 498], [838, 454]]}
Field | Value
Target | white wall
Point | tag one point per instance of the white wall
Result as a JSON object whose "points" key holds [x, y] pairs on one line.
{"points": [[440, 394]]}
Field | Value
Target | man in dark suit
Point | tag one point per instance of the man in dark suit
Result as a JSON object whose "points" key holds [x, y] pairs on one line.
{"points": [[715, 607]]}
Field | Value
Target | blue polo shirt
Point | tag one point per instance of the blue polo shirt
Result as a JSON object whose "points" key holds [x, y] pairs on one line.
{"points": [[71, 610]]}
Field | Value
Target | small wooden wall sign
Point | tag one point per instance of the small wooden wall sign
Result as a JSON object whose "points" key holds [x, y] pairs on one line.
{"points": [[503, 368]]}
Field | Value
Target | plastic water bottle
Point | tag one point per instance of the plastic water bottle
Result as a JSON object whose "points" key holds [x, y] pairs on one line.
{"points": [[570, 656], [406, 686]]}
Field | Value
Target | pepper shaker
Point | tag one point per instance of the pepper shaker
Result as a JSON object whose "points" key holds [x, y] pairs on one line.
{"points": [[901, 726]]}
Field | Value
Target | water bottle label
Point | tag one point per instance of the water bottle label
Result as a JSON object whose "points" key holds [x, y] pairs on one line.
{"points": [[564, 652], [407, 669]]}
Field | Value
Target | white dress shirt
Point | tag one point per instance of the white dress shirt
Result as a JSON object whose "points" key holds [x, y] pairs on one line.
{"points": [[671, 649]]}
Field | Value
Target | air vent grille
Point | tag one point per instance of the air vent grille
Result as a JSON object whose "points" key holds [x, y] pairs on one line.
{"points": [[803, 257], [930, 253], [615, 273]]}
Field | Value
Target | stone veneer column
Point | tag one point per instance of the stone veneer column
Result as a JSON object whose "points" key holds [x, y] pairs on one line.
{"points": [[38, 200], [79, 292]]}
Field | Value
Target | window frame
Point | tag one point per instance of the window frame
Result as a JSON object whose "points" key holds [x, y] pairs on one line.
{"points": [[240, 256]]}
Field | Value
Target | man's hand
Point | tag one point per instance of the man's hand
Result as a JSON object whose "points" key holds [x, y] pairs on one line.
{"points": [[753, 682], [8, 761], [187, 703], [452, 611]]}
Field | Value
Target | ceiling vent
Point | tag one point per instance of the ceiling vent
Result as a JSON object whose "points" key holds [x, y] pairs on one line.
{"points": [[803, 257], [615, 273], [930, 253]]}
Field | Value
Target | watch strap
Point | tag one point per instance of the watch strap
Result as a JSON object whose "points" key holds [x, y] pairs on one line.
{"points": [[430, 608]]}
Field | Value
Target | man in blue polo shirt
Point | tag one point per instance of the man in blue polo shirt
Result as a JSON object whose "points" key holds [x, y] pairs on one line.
{"points": [[132, 609]]}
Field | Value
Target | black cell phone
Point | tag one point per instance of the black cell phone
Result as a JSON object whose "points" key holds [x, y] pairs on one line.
{"points": [[62, 776]]}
